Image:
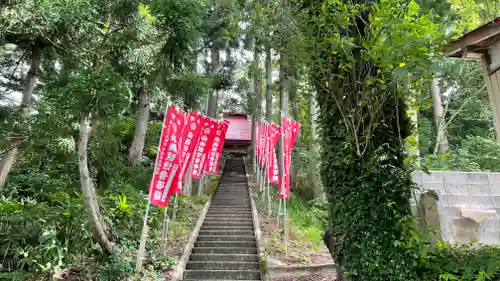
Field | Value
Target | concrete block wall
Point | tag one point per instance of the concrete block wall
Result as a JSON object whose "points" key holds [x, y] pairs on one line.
{"points": [[459, 190]]}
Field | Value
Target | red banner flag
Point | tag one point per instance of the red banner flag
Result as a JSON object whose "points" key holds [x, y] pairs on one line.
{"points": [[190, 136], [262, 143], [290, 131], [274, 169], [212, 165], [256, 140], [203, 146], [272, 162], [167, 163], [180, 140]]}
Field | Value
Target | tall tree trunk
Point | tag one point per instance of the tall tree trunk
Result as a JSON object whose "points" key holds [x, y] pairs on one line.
{"points": [[310, 121], [284, 92], [269, 83], [317, 187], [343, 88], [293, 93], [213, 96], [296, 116], [257, 91], [141, 127], [90, 200], [439, 121], [10, 156]]}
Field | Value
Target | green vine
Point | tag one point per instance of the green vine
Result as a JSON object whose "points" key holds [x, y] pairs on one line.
{"points": [[371, 233]]}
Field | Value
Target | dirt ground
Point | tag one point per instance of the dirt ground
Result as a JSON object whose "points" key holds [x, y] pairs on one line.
{"points": [[299, 251]]}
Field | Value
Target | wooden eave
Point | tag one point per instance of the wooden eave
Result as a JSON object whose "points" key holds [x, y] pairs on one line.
{"points": [[474, 45]]}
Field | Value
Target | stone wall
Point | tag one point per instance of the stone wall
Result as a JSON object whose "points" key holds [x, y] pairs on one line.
{"points": [[462, 196]]}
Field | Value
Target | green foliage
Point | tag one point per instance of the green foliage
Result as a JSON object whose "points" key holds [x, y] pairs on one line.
{"points": [[475, 154], [43, 225], [469, 262], [116, 268], [307, 164], [36, 236], [308, 217]]}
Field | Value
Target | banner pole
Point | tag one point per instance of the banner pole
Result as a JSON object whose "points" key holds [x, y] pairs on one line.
{"points": [[257, 175], [174, 211], [144, 232], [188, 180], [282, 161], [285, 226], [278, 216], [166, 219], [165, 225], [262, 176], [200, 182], [268, 198], [255, 150]]}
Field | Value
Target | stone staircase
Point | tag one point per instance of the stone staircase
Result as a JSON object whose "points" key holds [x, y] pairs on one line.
{"points": [[225, 248]]}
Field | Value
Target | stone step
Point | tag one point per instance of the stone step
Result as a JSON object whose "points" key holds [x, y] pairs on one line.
{"points": [[230, 191], [234, 179], [232, 201], [222, 274], [228, 244], [225, 219], [236, 224], [231, 223], [226, 238], [244, 207], [221, 265], [231, 196], [229, 212], [228, 207], [229, 218], [228, 229], [235, 202], [218, 201], [225, 250], [218, 231], [214, 280], [225, 257]]}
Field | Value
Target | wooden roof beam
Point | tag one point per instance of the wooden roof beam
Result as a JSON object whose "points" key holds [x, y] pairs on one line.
{"points": [[472, 38]]}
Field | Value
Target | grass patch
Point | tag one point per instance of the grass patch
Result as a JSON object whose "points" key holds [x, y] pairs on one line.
{"points": [[306, 221]]}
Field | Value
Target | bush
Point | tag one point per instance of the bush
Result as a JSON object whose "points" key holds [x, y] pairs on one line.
{"points": [[470, 262], [36, 236], [117, 267], [475, 154]]}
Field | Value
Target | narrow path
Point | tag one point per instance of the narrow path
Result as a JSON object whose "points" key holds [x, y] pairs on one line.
{"points": [[226, 248]]}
